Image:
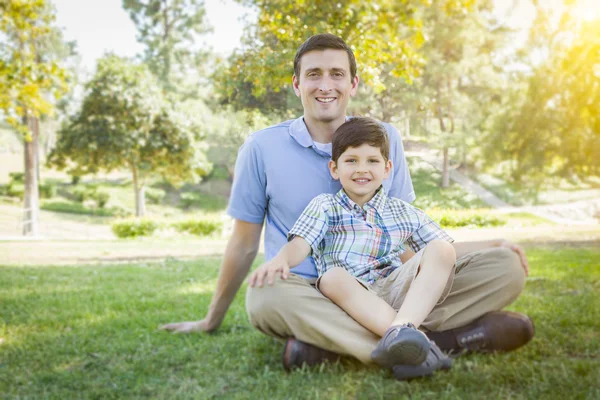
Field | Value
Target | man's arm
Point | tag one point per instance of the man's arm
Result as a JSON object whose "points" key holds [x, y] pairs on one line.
{"points": [[239, 255], [463, 248]]}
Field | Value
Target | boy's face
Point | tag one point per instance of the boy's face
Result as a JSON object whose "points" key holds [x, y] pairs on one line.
{"points": [[360, 171], [325, 85]]}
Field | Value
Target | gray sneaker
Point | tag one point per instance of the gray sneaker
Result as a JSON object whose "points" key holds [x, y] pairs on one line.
{"points": [[403, 344], [436, 360]]}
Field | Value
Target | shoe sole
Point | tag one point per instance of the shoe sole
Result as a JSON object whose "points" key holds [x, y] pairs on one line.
{"points": [[408, 372], [411, 350]]}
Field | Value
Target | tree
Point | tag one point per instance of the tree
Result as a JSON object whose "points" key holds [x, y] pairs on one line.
{"points": [[385, 36], [170, 31], [29, 77], [124, 122], [548, 124]]}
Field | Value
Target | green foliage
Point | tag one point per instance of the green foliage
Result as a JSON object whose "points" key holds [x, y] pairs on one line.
{"points": [[124, 122], [202, 200], [47, 190], [78, 208], [169, 30], [28, 73], [199, 227], [383, 34], [15, 190], [17, 177], [101, 198], [131, 228], [155, 196], [448, 218], [548, 122]]}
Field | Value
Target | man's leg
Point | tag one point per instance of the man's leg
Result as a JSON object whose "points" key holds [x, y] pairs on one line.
{"points": [[486, 280], [294, 308]]}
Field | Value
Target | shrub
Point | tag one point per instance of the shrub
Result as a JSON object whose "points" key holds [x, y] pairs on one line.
{"points": [[47, 190], [17, 177], [202, 200], [134, 227], [155, 196], [79, 208], [199, 227], [101, 198], [15, 190], [461, 218]]}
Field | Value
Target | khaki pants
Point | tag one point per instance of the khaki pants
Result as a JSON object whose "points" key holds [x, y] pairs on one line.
{"points": [[484, 281]]}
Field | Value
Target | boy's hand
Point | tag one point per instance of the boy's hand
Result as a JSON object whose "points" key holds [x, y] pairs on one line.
{"points": [[268, 270]]}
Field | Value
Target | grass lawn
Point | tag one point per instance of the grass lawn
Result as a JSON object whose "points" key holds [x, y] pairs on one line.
{"points": [[90, 332]]}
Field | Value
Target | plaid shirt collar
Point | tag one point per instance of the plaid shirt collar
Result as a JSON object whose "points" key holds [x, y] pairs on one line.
{"points": [[377, 202]]}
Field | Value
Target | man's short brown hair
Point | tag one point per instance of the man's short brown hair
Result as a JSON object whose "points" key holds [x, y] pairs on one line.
{"points": [[357, 131], [324, 41]]}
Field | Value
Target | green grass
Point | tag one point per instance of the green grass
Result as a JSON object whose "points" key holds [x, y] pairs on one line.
{"points": [[426, 182], [90, 332]]}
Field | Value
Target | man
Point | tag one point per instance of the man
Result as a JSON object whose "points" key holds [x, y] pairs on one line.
{"points": [[278, 171]]}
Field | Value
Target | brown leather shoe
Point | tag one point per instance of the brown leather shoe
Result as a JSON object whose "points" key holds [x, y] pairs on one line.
{"points": [[495, 331], [297, 353]]}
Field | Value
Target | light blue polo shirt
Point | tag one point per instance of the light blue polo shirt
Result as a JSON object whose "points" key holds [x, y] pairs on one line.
{"points": [[279, 171]]}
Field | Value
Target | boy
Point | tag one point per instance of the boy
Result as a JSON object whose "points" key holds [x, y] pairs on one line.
{"points": [[357, 239]]}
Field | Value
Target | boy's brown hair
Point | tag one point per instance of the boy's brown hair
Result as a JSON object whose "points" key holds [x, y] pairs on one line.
{"points": [[324, 41], [357, 131]]}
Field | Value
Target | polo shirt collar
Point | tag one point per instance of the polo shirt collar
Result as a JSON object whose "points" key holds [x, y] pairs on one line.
{"points": [[299, 132], [377, 202]]}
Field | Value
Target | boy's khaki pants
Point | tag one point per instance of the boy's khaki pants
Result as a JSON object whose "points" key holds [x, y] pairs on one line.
{"points": [[484, 281]]}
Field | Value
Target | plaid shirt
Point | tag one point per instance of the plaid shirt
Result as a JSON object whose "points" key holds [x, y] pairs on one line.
{"points": [[367, 241]]}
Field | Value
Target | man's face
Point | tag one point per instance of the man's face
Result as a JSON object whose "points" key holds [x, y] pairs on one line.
{"points": [[325, 85], [361, 170]]}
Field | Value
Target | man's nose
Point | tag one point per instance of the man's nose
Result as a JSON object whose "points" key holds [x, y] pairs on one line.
{"points": [[325, 85]]}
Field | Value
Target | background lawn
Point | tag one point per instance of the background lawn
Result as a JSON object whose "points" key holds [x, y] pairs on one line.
{"points": [[91, 332]]}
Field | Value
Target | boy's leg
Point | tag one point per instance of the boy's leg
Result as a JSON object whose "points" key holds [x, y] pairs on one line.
{"points": [[429, 276], [435, 266], [364, 306], [294, 308]]}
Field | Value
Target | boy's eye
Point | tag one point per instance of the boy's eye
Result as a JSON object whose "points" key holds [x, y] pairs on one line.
{"points": [[374, 161], [351, 160]]}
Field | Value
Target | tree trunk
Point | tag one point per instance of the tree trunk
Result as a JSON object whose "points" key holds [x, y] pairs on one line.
{"points": [[406, 124], [140, 198], [446, 169], [31, 206]]}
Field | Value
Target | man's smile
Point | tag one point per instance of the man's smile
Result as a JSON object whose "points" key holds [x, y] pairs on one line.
{"points": [[326, 99]]}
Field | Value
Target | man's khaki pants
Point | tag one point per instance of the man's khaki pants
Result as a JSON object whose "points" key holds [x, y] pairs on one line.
{"points": [[484, 281]]}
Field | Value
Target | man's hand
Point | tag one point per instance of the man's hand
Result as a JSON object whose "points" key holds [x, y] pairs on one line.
{"points": [[269, 270], [188, 327], [520, 252]]}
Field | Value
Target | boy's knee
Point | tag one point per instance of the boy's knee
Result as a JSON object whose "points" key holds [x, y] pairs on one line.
{"points": [[442, 249], [333, 281]]}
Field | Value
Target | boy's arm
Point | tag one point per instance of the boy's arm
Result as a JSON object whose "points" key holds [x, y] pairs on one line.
{"points": [[290, 255], [464, 248]]}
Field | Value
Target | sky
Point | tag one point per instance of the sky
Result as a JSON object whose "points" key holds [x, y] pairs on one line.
{"points": [[102, 25], [99, 26]]}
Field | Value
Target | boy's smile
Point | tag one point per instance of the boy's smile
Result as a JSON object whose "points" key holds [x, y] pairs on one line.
{"points": [[360, 171]]}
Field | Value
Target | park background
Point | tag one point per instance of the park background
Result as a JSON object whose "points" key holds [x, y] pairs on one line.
{"points": [[119, 129]]}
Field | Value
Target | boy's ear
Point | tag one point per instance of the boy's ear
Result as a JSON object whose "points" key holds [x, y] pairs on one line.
{"points": [[333, 170], [388, 169]]}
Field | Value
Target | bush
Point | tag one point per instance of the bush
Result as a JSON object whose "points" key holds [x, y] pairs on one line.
{"points": [[199, 227], [101, 198], [203, 201], [15, 190], [79, 208], [81, 193], [17, 177], [131, 228], [47, 190], [461, 218], [155, 196]]}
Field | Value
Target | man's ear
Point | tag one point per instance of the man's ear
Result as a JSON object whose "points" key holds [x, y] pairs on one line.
{"points": [[295, 84], [354, 88], [333, 170]]}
